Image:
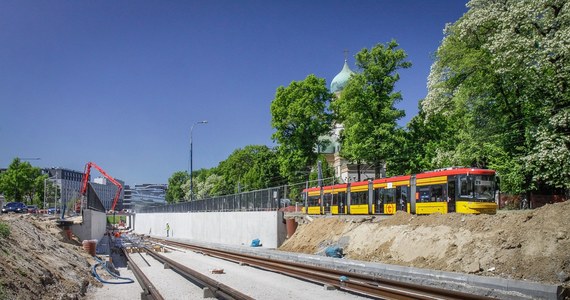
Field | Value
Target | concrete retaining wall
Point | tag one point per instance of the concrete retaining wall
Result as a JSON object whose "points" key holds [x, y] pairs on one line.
{"points": [[93, 227], [230, 228]]}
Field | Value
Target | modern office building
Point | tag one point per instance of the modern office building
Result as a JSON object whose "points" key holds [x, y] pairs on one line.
{"points": [[69, 184], [106, 191], [144, 195]]}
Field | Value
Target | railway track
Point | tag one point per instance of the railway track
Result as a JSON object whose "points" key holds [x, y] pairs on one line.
{"points": [[211, 287], [369, 286]]}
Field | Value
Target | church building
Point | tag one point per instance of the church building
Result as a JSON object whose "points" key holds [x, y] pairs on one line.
{"points": [[344, 170]]}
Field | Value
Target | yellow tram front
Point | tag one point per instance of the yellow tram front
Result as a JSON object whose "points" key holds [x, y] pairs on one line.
{"points": [[461, 190]]}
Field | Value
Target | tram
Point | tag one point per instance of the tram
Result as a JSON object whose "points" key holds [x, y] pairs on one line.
{"points": [[457, 189]]}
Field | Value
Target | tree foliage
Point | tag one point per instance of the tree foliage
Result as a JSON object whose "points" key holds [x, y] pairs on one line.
{"points": [[253, 167], [366, 107], [175, 193], [205, 182], [299, 115], [327, 172], [501, 82], [21, 182]]}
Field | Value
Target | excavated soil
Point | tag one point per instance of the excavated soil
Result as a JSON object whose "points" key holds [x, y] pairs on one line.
{"points": [[524, 245], [38, 262]]}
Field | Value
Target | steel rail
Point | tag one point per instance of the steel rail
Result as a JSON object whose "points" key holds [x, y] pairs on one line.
{"points": [[219, 289], [357, 283], [148, 288]]}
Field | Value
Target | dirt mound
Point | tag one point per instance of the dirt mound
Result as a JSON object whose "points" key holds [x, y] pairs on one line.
{"points": [[37, 261], [531, 244]]}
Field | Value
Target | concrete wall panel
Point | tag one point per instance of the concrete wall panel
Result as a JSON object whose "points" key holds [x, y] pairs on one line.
{"points": [[93, 227], [231, 228]]}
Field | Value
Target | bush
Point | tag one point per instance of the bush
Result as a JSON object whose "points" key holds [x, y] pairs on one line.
{"points": [[4, 230]]}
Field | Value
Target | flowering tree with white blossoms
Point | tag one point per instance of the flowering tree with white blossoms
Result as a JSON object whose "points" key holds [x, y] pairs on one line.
{"points": [[501, 83]]}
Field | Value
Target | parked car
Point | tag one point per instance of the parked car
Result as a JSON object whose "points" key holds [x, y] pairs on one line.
{"points": [[32, 209], [17, 207], [52, 210]]}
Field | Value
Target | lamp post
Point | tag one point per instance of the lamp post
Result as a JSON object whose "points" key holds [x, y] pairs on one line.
{"points": [[45, 190], [191, 129]]}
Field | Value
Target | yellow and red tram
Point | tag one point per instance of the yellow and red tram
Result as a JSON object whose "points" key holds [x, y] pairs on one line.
{"points": [[461, 190]]}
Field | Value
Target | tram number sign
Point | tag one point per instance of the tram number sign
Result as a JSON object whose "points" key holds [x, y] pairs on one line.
{"points": [[389, 209]]}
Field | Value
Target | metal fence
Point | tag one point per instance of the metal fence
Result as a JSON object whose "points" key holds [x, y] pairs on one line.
{"points": [[260, 200]]}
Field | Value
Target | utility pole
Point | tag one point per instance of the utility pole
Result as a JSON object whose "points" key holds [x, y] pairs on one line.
{"points": [[191, 183]]}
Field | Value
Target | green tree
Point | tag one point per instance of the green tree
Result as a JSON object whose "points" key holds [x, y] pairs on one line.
{"points": [[327, 170], [366, 107], [501, 75], [205, 183], [253, 167], [174, 192], [299, 115], [430, 143], [19, 182]]}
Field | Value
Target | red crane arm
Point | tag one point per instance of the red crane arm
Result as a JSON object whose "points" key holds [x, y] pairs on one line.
{"points": [[85, 180]]}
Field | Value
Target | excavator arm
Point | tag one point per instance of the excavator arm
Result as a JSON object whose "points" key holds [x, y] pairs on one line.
{"points": [[85, 181]]}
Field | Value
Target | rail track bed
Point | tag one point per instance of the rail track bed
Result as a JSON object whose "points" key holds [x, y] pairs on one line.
{"points": [[310, 280]]}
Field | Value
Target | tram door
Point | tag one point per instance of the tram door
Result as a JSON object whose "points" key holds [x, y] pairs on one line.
{"points": [[378, 205], [341, 200], [328, 203], [451, 194], [402, 198]]}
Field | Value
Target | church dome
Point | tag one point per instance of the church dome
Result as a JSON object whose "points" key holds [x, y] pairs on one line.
{"points": [[340, 80]]}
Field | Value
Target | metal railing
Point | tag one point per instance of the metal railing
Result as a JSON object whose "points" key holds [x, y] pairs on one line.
{"points": [[259, 200]]}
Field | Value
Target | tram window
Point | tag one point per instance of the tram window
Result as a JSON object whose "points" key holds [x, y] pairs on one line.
{"points": [[398, 193], [388, 195], [334, 199], [465, 187], [404, 193], [484, 188], [359, 197], [313, 201], [424, 193], [437, 193], [328, 199], [377, 196], [341, 198]]}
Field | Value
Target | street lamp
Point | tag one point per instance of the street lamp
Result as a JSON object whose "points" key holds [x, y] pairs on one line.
{"points": [[45, 190], [192, 128]]}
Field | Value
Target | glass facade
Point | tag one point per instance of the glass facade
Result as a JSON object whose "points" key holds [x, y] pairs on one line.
{"points": [[144, 195], [69, 183]]}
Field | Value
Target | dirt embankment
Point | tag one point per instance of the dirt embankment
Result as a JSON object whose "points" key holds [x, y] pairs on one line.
{"points": [[38, 262], [531, 244]]}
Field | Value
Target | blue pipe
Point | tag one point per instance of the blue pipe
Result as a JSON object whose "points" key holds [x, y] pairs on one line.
{"points": [[94, 272]]}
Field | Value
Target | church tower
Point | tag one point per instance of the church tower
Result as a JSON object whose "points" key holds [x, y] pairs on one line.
{"points": [[342, 168]]}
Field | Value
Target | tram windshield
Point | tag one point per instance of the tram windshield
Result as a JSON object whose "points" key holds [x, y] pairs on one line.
{"points": [[477, 187], [485, 188]]}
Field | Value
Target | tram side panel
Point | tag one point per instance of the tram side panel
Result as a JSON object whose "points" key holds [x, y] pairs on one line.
{"points": [[468, 193]]}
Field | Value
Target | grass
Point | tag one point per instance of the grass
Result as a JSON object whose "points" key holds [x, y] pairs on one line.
{"points": [[117, 219], [4, 230]]}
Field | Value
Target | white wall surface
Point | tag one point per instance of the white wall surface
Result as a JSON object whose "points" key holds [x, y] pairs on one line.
{"points": [[231, 228]]}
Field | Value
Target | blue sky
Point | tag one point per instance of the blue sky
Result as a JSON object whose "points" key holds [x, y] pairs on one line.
{"points": [[120, 83]]}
